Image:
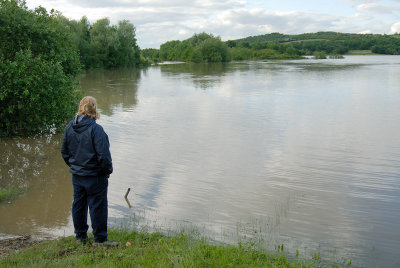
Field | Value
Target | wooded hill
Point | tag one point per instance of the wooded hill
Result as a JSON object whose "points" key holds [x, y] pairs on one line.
{"points": [[329, 42], [273, 46]]}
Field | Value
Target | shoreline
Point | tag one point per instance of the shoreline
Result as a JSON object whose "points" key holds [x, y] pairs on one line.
{"points": [[11, 243], [144, 249]]}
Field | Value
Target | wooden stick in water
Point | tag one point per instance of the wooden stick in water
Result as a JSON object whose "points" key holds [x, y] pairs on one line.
{"points": [[126, 198], [127, 192]]}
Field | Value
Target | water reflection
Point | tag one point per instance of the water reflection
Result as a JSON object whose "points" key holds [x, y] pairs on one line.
{"points": [[203, 76], [307, 156], [35, 165], [112, 88], [196, 69]]}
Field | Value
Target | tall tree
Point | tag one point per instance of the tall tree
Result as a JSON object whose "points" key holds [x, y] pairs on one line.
{"points": [[103, 43], [128, 52], [38, 65]]}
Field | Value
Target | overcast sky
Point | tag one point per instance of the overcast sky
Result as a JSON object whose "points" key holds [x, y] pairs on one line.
{"points": [[158, 21]]}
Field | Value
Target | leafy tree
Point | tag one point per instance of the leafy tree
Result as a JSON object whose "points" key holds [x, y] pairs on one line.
{"points": [[169, 50], [38, 65], [196, 56], [244, 45], [255, 45], [104, 43], [151, 53], [80, 36], [239, 53], [319, 55], [214, 50], [35, 94], [200, 47], [128, 52], [38, 31], [328, 42], [231, 43]]}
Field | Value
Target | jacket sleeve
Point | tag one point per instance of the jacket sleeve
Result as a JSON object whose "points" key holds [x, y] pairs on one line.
{"points": [[64, 147], [102, 147]]}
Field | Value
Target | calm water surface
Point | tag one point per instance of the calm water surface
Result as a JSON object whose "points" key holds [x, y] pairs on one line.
{"points": [[305, 153]]}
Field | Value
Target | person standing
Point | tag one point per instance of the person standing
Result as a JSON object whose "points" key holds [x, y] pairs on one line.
{"points": [[86, 150]]}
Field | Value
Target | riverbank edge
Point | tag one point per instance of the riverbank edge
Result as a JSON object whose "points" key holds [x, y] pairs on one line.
{"points": [[138, 249]]}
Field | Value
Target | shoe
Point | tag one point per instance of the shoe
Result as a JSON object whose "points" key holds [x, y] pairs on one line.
{"points": [[106, 244]]}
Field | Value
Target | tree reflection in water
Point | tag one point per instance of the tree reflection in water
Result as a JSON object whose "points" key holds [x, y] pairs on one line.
{"points": [[35, 165], [112, 88]]}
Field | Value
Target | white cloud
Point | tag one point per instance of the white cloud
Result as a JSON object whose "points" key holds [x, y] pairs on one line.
{"points": [[395, 28], [213, 4], [244, 22], [375, 8], [363, 1], [361, 23], [158, 21], [238, 23]]}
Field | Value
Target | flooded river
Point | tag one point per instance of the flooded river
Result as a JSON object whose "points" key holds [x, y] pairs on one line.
{"points": [[303, 153]]}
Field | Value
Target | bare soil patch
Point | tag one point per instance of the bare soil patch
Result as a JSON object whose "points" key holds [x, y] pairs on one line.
{"points": [[12, 243]]}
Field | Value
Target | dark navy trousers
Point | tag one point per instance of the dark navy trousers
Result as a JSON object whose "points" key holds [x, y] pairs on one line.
{"points": [[90, 192]]}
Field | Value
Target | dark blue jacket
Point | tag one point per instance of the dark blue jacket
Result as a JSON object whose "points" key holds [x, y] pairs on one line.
{"points": [[85, 148]]}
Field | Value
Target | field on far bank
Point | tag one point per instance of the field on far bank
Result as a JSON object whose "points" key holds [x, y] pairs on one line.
{"points": [[360, 52]]}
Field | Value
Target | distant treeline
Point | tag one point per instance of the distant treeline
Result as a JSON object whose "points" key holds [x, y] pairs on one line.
{"points": [[205, 47], [273, 46], [328, 42]]}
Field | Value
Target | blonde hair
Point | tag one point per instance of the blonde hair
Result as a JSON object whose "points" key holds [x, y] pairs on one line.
{"points": [[88, 106]]}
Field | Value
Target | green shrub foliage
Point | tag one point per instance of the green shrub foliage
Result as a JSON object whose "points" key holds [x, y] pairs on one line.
{"points": [[201, 47], [319, 55], [102, 45], [331, 43], [38, 66], [205, 47]]}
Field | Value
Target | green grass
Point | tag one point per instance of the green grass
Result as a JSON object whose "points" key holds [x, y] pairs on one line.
{"points": [[9, 193], [146, 250]]}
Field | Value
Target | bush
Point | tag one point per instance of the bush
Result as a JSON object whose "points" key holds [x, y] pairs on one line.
{"points": [[214, 50], [34, 95], [38, 65], [336, 56], [319, 55], [240, 53], [200, 47]]}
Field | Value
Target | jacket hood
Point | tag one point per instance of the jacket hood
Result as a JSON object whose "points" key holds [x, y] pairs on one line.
{"points": [[82, 123]]}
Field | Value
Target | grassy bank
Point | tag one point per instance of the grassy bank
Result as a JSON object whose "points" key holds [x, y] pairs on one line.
{"points": [[146, 250], [8, 193]]}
